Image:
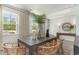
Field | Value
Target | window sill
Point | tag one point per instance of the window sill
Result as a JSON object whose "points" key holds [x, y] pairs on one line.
{"points": [[10, 34]]}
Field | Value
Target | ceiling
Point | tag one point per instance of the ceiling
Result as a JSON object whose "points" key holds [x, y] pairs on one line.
{"points": [[44, 8]]}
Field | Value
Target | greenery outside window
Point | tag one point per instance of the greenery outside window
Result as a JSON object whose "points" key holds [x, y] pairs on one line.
{"points": [[9, 23]]}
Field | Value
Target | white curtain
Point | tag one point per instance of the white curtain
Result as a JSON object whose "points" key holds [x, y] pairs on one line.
{"points": [[24, 25], [0, 24]]}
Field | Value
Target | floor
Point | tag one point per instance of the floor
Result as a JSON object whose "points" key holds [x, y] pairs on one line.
{"points": [[76, 50], [76, 47]]}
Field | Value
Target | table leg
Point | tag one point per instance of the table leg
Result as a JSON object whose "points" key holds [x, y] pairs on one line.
{"points": [[32, 50]]}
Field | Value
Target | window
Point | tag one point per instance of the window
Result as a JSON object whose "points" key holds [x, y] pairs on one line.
{"points": [[34, 25], [10, 22]]}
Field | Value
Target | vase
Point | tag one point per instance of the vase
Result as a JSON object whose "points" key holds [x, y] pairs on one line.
{"points": [[47, 33], [41, 33]]}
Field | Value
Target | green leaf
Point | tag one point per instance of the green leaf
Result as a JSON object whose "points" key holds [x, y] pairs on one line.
{"points": [[39, 18]]}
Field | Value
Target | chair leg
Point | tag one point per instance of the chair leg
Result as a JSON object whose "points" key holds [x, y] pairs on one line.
{"points": [[60, 51]]}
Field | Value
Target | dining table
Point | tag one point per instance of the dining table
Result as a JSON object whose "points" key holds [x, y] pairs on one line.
{"points": [[32, 44]]}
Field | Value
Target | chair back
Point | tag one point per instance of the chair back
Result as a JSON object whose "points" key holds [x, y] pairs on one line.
{"points": [[10, 48], [21, 51], [68, 42], [13, 49], [48, 50]]}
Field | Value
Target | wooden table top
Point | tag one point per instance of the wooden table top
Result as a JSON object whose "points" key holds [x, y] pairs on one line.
{"points": [[30, 41]]}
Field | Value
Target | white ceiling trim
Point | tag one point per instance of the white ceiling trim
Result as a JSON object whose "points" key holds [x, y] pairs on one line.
{"points": [[14, 8], [66, 12]]}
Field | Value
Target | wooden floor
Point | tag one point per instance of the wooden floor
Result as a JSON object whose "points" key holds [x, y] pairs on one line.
{"points": [[76, 49]]}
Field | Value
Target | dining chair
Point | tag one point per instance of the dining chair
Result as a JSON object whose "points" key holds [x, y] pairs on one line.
{"points": [[22, 51], [10, 49], [68, 43], [60, 41], [48, 49]]}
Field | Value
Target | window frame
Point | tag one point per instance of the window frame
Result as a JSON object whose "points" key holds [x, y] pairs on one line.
{"points": [[17, 22]]}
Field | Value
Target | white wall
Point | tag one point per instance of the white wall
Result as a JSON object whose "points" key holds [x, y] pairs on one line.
{"points": [[77, 26], [70, 16], [76, 11], [10, 39], [65, 15], [0, 24], [23, 27], [56, 24]]}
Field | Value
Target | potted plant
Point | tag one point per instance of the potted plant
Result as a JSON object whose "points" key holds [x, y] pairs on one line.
{"points": [[40, 20]]}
